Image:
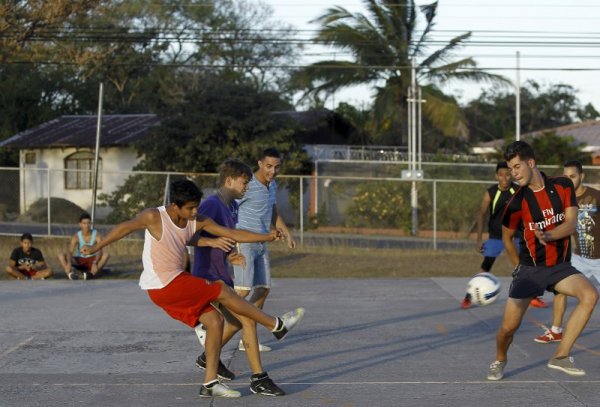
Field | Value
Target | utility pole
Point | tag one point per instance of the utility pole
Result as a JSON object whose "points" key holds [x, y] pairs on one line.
{"points": [[518, 98], [414, 144], [97, 154]]}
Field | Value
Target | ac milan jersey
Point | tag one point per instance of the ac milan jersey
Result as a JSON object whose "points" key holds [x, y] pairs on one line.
{"points": [[543, 209]]}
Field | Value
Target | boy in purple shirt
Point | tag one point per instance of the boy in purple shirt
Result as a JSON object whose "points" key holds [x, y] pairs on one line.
{"points": [[211, 263]]}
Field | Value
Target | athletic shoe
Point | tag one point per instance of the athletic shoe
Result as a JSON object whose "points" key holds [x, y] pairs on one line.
{"points": [[219, 390], [496, 371], [201, 333], [222, 371], [73, 275], [262, 384], [549, 336], [261, 347], [566, 365], [86, 276], [465, 303], [537, 302], [286, 322]]}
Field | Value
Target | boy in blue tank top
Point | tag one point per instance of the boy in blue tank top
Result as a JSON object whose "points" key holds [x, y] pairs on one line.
{"points": [[78, 265]]}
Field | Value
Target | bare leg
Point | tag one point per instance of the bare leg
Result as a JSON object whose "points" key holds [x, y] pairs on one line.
{"points": [[240, 306], [213, 323], [11, 271], [250, 339], [579, 287], [65, 263], [558, 309], [259, 296], [513, 315]]}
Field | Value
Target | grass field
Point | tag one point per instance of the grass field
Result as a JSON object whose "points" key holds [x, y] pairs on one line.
{"points": [[307, 262]]}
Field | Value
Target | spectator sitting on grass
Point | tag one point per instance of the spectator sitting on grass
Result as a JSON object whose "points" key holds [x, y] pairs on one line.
{"points": [[77, 264], [26, 262]]}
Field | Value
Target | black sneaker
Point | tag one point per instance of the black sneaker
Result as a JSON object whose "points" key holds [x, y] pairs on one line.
{"points": [[287, 322], [262, 384], [222, 371]]}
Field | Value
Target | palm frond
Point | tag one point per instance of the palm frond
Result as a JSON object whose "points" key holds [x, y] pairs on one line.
{"points": [[329, 76], [430, 11], [441, 54], [332, 15], [463, 70], [445, 114]]}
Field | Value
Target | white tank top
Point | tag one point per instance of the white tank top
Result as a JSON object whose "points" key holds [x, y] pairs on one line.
{"points": [[163, 259]]}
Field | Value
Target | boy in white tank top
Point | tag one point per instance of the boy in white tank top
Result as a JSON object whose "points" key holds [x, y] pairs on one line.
{"points": [[168, 230]]}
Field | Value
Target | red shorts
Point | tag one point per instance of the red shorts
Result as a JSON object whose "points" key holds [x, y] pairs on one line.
{"points": [[29, 273], [83, 263], [186, 298]]}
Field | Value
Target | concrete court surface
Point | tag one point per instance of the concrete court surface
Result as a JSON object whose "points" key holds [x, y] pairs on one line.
{"points": [[401, 342]]}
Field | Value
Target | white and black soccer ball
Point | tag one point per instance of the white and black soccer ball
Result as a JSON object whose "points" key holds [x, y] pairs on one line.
{"points": [[484, 289]]}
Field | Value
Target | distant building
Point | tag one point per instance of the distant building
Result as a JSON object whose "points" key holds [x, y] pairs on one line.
{"points": [[66, 147], [586, 133]]}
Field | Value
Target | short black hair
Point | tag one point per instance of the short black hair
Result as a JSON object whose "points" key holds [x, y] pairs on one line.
{"points": [[84, 215], [184, 190], [519, 148], [574, 163], [500, 165], [269, 152], [233, 168], [26, 236]]}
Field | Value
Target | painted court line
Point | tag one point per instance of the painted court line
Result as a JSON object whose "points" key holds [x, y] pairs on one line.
{"points": [[14, 348], [490, 382]]}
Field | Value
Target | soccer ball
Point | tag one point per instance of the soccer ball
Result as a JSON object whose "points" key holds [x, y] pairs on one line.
{"points": [[484, 288]]}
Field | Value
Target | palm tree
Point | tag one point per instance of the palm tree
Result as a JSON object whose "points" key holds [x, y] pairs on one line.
{"points": [[383, 45]]}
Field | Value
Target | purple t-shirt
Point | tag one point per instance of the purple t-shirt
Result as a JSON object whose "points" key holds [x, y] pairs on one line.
{"points": [[210, 263]]}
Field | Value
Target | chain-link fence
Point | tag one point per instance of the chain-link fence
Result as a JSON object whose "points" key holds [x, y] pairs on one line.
{"points": [[339, 199]]}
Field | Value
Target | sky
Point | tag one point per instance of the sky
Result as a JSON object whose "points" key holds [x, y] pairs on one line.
{"points": [[557, 43]]}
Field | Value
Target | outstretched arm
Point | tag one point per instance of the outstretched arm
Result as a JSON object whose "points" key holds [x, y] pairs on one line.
{"points": [[242, 236], [145, 220]]}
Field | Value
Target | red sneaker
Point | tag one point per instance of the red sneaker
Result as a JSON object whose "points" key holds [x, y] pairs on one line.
{"points": [[537, 302], [548, 337], [465, 303]]}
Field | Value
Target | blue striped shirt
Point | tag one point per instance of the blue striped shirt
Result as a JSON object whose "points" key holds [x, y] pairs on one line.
{"points": [[256, 207]]}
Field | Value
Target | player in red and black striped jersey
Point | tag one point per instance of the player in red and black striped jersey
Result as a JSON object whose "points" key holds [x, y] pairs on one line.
{"points": [[546, 209]]}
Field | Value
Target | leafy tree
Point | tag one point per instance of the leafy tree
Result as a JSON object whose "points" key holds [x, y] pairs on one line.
{"points": [[492, 115], [246, 42], [217, 120], [383, 44], [553, 149]]}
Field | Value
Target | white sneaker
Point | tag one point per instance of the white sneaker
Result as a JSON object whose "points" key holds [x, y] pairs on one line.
{"points": [[261, 347], [219, 390], [201, 333], [73, 275], [290, 320]]}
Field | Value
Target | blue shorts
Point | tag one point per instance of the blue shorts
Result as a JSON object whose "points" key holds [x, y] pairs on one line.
{"points": [[493, 247], [257, 272]]}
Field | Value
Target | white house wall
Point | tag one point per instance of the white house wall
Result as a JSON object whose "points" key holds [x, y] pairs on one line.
{"points": [[34, 178]]}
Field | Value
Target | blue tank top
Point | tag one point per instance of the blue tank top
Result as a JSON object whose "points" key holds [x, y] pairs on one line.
{"points": [[84, 243]]}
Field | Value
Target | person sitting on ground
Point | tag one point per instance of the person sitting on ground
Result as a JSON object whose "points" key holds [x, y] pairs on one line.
{"points": [[77, 264], [26, 262]]}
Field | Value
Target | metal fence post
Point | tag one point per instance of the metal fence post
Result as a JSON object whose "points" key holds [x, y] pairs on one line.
{"points": [[49, 206], [301, 206], [434, 215]]}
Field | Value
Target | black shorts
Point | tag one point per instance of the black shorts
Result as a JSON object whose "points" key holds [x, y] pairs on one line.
{"points": [[532, 281]]}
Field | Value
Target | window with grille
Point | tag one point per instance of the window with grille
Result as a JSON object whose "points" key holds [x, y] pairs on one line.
{"points": [[79, 171]]}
